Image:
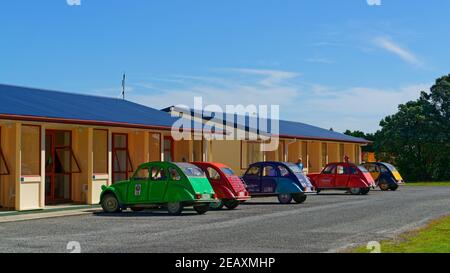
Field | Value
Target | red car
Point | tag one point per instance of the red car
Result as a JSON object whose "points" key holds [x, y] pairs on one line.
{"points": [[343, 176], [229, 188]]}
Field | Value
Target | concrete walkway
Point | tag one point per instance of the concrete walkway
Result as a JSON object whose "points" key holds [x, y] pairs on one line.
{"points": [[48, 212]]}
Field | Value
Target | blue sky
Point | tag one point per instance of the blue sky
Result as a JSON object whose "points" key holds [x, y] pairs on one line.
{"points": [[341, 64]]}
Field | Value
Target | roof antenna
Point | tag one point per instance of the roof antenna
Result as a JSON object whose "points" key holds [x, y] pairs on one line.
{"points": [[123, 85]]}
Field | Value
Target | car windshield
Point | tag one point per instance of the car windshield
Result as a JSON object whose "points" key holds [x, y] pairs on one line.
{"points": [[227, 171], [390, 167], [363, 169], [191, 170], [294, 168]]}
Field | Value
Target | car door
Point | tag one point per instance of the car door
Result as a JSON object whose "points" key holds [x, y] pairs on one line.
{"points": [[269, 178], [138, 187], [253, 179], [158, 184], [342, 176], [215, 179], [327, 178]]}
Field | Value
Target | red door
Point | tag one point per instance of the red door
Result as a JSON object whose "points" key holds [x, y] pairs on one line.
{"points": [[327, 178], [122, 166], [60, 164], [342, 176]]}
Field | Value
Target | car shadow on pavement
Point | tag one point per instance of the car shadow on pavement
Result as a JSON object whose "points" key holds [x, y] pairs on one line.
{"points": [[145, 213]]}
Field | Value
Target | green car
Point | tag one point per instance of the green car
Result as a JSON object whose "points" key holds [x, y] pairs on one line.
{"points": [[160, 184]]}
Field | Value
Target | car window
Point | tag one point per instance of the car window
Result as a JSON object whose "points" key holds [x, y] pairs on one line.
{"points": [[213, 174], [253, 170], [191, 170], [283, 171], [158, 174], [142, 174], [352, 170], [340, 170], [383, 169], [269, 171], [330, 169], [174, 175], [371, 168], [227, 171]]}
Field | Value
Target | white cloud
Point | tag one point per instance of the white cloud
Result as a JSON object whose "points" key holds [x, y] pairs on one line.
{"points": [[394, 48]]}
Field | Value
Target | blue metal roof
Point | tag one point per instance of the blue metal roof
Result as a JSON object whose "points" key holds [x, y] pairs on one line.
{"points": [[38, 103], [21, 101], [288, 129]]}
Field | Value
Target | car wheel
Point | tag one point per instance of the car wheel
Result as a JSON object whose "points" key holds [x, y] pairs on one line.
{"points": [[384, 186], [394, 188], [216, 205], [318, 191], [175, 208], [285, 198], [231, 204], [365, 191], [137, 209], [299, 198], [355, 191], [110, 204], [201, 209]]}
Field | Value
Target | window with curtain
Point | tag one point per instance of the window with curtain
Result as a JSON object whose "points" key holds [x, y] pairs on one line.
{"points": [[100, 151], [30, 148]]}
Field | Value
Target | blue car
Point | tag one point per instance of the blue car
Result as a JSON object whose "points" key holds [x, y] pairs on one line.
{"points": [[284, 180]]}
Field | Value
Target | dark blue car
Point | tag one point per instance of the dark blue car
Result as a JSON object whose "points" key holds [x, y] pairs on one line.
{"points": [[284, 180]]}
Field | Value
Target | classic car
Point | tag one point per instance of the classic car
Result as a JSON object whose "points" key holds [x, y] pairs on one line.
{"points": [[160, 184], [343, 176], [284, 180], [385, 175], [229, 187]]}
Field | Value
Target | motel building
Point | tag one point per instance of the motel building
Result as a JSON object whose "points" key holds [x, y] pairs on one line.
{"points": [[60, 148]]}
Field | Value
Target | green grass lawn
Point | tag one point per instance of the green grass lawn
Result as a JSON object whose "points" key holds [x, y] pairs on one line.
{"points": [[434, 238], [435, 184]]}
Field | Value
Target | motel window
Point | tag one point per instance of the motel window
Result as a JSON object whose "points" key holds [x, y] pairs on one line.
{"points": [[357, 154], [341, 151], [100, 151], [155, 147], [254, 153], [305, 153], [324, 154], [30, 150], [4, 170], [198, 150], [168, 149]]}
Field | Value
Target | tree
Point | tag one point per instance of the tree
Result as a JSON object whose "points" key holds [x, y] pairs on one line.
{"points": [[417, 138]]}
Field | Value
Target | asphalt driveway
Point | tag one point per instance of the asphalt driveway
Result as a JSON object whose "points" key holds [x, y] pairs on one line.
{"points": [[325, 223]]}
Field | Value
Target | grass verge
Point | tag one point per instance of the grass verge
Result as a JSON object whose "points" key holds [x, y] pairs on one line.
{"points": [[422, 184], [434, 238]]}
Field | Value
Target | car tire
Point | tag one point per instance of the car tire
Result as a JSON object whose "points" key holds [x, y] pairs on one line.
{"points": [[355, 191], [394, 188], [285, 198], [365, 191], [231, 204], [175, 208], [300, 198], [319, 191], [216, 205], [201, 209], [384, 186], [137, 209], [110, 203]]}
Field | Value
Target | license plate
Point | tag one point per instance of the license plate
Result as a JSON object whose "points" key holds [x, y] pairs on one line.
{"points": [[206, 196], [241, 194]]}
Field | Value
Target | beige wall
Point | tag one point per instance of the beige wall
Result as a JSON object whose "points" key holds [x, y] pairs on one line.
{"points": [[228, 153]]}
